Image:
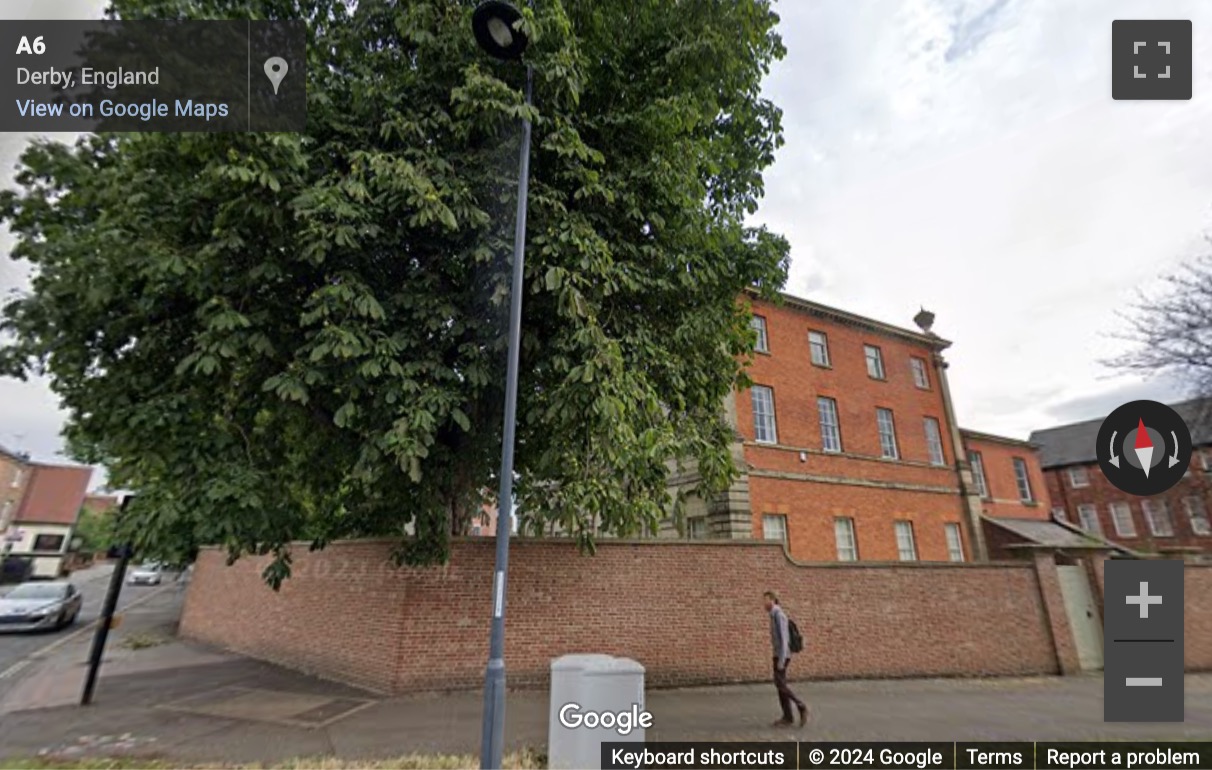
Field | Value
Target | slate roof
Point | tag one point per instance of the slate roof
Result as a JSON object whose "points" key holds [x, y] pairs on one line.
{"points": [[1052, 534], [1073, 444]]}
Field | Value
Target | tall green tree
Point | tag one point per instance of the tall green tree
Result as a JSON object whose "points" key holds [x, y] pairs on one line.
{"points": [[95, 529], [276, 337]]}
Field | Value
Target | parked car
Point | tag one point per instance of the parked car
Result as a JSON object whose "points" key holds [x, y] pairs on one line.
{"points": [[38, 605], [147, 574]]}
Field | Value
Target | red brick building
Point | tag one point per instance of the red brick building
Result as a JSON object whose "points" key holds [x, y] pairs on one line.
{"points": [[850, 449], [39, 506], [1175, 521]]}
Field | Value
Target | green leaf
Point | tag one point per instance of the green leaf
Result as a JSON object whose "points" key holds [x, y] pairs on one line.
{"points": [[281, 337]]}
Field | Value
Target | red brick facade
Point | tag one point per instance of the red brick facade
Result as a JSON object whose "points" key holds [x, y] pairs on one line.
{"points": [[677, 607], [871, 477], [994, 461], [1083, 489]]}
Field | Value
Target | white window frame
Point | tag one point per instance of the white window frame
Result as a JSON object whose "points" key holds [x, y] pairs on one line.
{"points": [[696, 527], [921, 374], [1151, 507], [1199, 515], [1076, 481], [827, 407], [823, 344], [955, 541], [906, 543], [769, 519], [760, 427], [1022, 477], [845, 538], [758, 324], [1059, 513], [874, 355], [885, 423], [977, 461], [18, 477], [1121, 519], [1087, 515], [934, 441]]}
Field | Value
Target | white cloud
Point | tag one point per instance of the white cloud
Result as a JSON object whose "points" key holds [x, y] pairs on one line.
{"points": [[964, 155], [30, 417], [967, 156]]}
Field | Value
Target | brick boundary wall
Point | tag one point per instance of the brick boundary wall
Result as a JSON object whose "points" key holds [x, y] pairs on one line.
{"points": [[1197, 617], [690, 612]]}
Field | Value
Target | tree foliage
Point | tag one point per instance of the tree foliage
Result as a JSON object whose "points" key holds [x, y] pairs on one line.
{"points": [[274, 337], [95, 530]]}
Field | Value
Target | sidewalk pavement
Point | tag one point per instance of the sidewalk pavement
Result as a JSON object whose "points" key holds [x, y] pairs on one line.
{"points": [[160, 697]]}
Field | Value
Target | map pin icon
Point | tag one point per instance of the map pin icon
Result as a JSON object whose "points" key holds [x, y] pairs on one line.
{"points": [[275, 70]]}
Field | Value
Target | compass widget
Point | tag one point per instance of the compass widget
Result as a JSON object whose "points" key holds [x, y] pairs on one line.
{"points": [[1144, 448]]}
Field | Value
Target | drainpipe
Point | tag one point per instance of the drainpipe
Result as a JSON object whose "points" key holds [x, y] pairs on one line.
{"points": [[963, 469]]}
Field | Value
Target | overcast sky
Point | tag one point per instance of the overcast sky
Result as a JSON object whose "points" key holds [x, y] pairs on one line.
{"points": [[962, 155]]}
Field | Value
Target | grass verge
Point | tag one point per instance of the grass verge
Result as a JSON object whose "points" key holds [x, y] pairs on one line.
{"points": [[523, 760]]}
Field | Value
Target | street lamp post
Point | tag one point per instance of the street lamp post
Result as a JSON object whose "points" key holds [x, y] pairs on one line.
{"points": [[493, 24]]}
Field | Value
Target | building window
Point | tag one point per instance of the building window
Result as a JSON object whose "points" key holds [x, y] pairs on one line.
{"points": [[697, 527], [847, 546], [818, 343], [1078, 478], [18, 477], [831, 431], [46, 543], [1060, 514], [1088, 516], [774, 527], [887, 428], [906, 548], [921, 377], [1157, 515], [759, 325], [875, 362], [1024, 481], [934, 442], [1121, 518], [978, 474], [475, 530], [764, 428], [1197, 514], [955, 542], [8, 506]]}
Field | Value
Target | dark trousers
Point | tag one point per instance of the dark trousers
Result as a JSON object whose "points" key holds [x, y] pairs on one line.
{"points": [[786, 696]]}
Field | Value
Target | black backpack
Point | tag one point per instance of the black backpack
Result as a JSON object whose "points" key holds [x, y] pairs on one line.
{"points": [[796, 642]]}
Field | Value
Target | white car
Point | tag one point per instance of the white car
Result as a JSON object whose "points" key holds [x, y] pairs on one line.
{"points": [[39, 605], [148, 574]]}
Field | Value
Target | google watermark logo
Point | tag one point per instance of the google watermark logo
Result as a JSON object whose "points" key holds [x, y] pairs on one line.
{"points": [[623, 722]]}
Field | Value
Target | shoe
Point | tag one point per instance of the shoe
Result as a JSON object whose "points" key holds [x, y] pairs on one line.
{"points": [[803, 715], [782, 723]]}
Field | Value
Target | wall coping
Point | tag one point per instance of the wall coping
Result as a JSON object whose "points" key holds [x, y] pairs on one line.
{"points": [[668, 542]]}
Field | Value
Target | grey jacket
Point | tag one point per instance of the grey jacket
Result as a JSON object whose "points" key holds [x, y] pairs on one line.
{"points": [[780, 636]]}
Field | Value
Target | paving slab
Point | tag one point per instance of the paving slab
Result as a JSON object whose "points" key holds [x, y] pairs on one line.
{"points": [[292, 709]]}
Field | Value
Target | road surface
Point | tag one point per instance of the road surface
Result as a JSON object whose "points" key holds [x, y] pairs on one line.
{"points": [[93, 583]]}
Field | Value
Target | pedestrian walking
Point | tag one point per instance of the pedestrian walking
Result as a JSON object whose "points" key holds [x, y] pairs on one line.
{"points": [[781, 640]]}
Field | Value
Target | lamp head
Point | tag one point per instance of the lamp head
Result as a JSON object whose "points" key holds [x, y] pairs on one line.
{"points": [[492, 22]]}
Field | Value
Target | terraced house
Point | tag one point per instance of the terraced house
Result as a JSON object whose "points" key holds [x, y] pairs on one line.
{"points": [[1176, 522]]}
